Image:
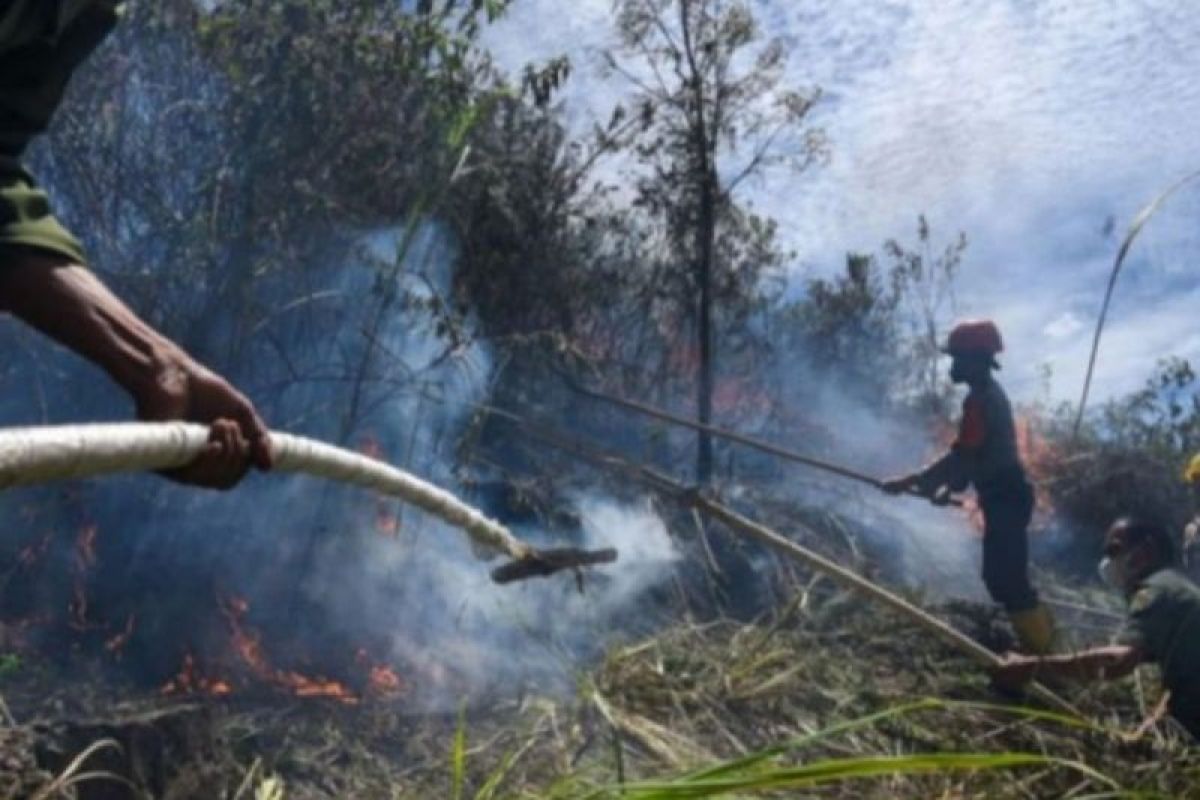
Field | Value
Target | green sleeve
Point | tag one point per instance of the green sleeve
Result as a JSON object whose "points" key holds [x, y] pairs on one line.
{"points": [[1150, 626]]}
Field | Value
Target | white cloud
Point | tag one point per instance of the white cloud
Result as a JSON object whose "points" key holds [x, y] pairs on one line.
{"points": [[1039, 128], [1063, 326]]}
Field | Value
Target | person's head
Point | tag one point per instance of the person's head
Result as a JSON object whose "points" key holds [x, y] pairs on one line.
{"points": [[973, 345], [1133, 548]]}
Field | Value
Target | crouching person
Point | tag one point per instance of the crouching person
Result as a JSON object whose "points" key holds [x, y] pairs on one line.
{"points": [[1163, 625]]}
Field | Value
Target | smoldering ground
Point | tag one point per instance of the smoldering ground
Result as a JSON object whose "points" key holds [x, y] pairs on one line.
{"points": [[328, 577]]}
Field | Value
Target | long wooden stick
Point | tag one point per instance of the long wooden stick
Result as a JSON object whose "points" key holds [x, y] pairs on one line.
{"points": [[748, 441], [781, 544]]}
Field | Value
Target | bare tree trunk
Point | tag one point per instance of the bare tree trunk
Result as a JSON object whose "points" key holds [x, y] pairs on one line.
{"points": [[705, 239], [705, 234]]}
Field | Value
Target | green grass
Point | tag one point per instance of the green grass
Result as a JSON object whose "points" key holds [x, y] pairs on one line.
{"points": [[761, 772]]}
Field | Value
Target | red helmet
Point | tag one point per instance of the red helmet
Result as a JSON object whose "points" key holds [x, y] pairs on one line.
{"points": [[974, 336]]}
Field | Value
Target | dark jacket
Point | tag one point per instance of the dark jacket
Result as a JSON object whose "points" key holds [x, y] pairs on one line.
{"points": [[1164, 624], [984, 453], [41, 44]]}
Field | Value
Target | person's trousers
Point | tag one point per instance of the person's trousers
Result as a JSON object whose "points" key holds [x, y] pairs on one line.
{"points": [[1007, 512]]}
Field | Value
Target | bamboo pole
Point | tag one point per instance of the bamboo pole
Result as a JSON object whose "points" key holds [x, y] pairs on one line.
{"points": [[777, 542], [748, 441], [786, 547], [738, 438]]}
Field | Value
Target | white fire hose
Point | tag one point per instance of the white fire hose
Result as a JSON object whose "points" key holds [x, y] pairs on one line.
{"points": [[41, 454]]}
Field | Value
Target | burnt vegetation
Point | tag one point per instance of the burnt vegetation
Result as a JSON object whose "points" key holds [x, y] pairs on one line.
{"points": [[349, 210]]}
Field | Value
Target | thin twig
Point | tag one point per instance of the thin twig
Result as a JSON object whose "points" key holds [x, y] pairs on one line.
{"points": [[1139, 222]]}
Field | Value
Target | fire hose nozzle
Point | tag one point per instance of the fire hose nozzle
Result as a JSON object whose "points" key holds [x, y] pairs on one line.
{"points": [[542, 563]]}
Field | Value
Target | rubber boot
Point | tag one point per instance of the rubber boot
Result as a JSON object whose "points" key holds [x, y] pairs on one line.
{"points": [[1034, 629]]}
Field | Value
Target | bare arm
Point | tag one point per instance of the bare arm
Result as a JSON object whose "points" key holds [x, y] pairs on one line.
{"points": [[71, 305], [1099, 663]]}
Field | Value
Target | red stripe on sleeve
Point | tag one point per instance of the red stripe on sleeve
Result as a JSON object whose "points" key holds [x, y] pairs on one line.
{"points": [[973, 428]]}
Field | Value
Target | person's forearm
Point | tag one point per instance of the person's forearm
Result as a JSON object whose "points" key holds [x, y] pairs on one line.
{"points": [[71, 305], [941, 472], [1101, 663]]}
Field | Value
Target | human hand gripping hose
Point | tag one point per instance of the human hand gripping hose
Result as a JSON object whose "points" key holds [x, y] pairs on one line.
{"points": [[37, 455]]}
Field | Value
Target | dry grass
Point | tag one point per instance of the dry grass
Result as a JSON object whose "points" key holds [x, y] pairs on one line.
{"points": [[826, 696], [700, 695]]}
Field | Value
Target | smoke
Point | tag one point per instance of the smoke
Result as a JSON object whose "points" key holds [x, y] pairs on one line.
{"points": [[328, 573], [470, 636], [415, 591], [933, 550]]}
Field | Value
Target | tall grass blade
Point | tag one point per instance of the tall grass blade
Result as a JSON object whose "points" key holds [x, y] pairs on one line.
{"points": [[840, 770], [458, 756]]}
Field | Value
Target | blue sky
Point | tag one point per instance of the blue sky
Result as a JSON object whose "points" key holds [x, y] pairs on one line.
{"points": [[1025, 123]]}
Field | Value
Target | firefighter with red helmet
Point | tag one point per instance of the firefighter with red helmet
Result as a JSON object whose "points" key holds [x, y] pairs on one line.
{"points": [[984, 455]]}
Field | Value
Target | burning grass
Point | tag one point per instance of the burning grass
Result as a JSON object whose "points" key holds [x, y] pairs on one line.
{"points": [[824, 695], [828, 695]]}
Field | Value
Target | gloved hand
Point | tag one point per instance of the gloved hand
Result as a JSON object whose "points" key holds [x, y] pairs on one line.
{"points": [[942, 496], [901, 485]]}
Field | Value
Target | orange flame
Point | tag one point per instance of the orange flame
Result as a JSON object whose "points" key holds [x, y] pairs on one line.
{"points": [[190, 681], [248, 645], [85, 559], [1041, 459], [1038, 456], [116, 643], [387, 522], [384, 681]]}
